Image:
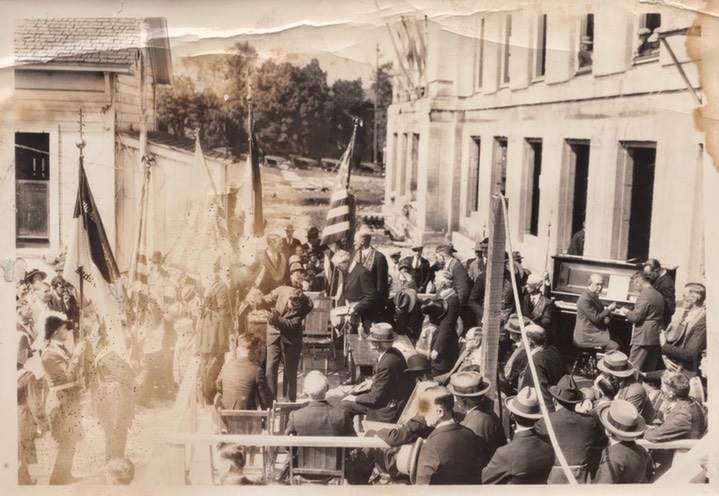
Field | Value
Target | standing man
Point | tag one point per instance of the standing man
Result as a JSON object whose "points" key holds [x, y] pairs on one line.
{"points": [[576, 245], [376, 263], [647, 319], [445, 346], [284, 336], [662, 282], [274, 266], [214, 335], [444, 258], [452, 454], [359, 290], [420, 268], [312, 246], [394, 271], [591, 327], [478, 265], [289, 242]]}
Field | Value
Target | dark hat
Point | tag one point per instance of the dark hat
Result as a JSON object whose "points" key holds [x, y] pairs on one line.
{"points": [[567, 391], [622, 419], [616, 363], [434, 309], [447, 249], [417, 248], [313, 231], [53, 323], [418, 363], [382, 333], [517, 257], [34, 272], [525, 404], [468, 384], [480, 245], [396, 254], [289, 227], [512, 324], [405, 264]]}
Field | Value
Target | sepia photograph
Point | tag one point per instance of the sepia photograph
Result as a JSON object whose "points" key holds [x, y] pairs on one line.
{"points": [[358, 243]]}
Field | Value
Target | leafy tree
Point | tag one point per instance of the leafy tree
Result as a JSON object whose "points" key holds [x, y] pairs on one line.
{"points": [[382, 87]]}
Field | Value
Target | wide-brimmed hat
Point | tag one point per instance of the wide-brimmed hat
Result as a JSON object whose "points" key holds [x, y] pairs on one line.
{"points": [[616, 363], [525, 404], [622, 419], [434, 309], [381, 332], [468, 384], [512, 324], [417, 248], [567, 391], [446, 249], [34, 272], [418, 363], [408, 458]]}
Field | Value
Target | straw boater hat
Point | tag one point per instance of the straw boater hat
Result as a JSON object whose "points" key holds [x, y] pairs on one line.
{"points": [[468, 384], [512, 324], [622, 419], [381, 333], [616, 363], [407, 458], [417, 248], [525, 404], [567, 391]]}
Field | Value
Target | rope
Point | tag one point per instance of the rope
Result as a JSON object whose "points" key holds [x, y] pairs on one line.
{"points": [[530, 360]]}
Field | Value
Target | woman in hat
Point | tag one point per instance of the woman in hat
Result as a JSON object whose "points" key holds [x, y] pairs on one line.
{"points": [[62, 370], [623, 461]]}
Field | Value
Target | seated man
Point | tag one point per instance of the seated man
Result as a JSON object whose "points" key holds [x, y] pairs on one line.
{"points": [[686, 337], [391, 387], [527, 459], [535, 305], [547, 362], [318, 417], [242, 379], [452, 454], [590, 328], [631, 389], [470, 355]]}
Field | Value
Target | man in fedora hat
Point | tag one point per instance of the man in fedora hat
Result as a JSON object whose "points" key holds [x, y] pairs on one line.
{"points": [[478, 265], [391, 387], [577, 433], [516, 363], [527, 459], [452, 454], [623, 461], [445, 259], [469, 390], [289, 242], [631, 389], [419, 268]]}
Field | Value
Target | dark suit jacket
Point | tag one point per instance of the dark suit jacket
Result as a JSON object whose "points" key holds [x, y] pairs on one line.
{"points": [[590, 328], [647, 317], [665, 285], [540, 314], [359, 287], [446, 341], [462, 283], [684, 421], [391, 388], [485, 424], [576, 434], [548, 363], [273, 273], [452, 454], [408, 316], [406, 433], [243, 383], [688, 348], [319, 418], [421, 274], [380, 272], [623, 463], [527, 459], [633, 392], [288, 321]]}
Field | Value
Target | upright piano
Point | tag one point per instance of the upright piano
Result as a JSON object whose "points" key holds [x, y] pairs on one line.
{"points": [[571, 277]]}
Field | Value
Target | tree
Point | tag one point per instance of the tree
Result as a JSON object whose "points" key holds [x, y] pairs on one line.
{"points": [[382, 88]]}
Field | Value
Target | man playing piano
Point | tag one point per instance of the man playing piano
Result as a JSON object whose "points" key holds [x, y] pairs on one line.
{"points": [[590, 329]]}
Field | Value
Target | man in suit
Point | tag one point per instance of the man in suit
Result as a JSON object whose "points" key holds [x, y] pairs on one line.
{"points": [[274, 266], [590, 328], [359, 290], [686, 337], [683, 417], [577, 433], [444, 259], [242, 384], [547, 362], [407, 306], [662, 281], [317, 417], [477, 266], [445, 347], [647, 319], [391, 387], [376, 263], [535, 305], [289, 242], [631, 389], [623, 461], [469, 389], [452, 454], [527, 459], [420, 268]]}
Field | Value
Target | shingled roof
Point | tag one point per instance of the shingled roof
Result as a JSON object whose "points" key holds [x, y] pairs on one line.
{"points": [[105, 43]]}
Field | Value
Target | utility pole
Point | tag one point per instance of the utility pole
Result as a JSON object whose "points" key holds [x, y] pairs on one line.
{"points": [[376, 98]]}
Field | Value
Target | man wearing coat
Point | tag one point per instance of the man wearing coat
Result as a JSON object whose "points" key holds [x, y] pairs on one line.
{"points": [[535, 305], [686, 336], [274, 267], [590, 328], [445, 260], [391, 387], [445, 346], [359, 289], [547, 362], [376, 263], [317, 417], [662, 281], [242, 384], [527, 459], [452, 453], [420, 268], [647, 319]]}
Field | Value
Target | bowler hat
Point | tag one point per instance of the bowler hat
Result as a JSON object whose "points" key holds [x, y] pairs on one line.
{"points": [[34, 272], [622, 419], [381, 332], [616, 363], [53, 323], [512, 324], [468, 384], [567, 391], [525, 404], [418, 363]]}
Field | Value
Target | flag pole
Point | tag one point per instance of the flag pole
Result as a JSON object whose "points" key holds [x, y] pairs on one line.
{"points": [[81, 166]]}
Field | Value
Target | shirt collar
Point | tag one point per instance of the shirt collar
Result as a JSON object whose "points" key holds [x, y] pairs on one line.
{"points": [[445, 422]]}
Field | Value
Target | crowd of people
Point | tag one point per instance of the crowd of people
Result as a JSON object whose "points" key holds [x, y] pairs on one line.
{"points": [[246, 322]]}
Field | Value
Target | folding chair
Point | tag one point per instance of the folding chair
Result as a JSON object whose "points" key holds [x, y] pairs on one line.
{"points": [[317, 335], [244, 422], [315, 465], [280, 416]]}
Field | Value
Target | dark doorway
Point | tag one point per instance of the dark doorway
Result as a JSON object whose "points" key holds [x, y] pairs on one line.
{"points": [[642, 160], [581, 178]]}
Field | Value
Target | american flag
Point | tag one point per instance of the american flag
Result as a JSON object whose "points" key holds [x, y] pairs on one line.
{"points": [[254, 217]]}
